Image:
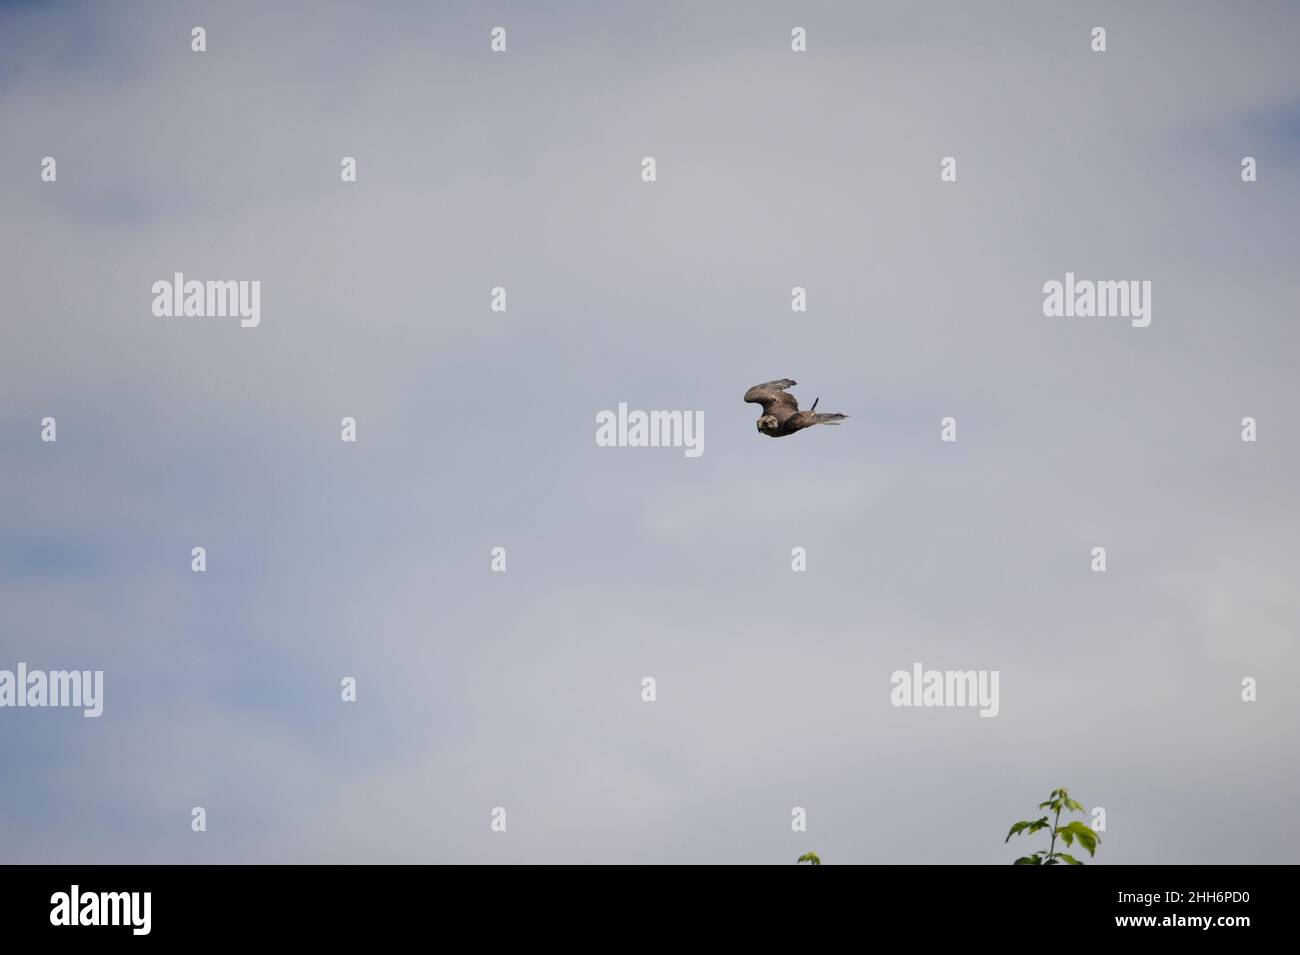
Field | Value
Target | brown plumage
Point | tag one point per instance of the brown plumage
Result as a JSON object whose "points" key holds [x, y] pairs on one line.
{"points": [[781, 414]]}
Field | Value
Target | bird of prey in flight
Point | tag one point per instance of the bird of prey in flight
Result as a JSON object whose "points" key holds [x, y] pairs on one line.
{"points": [[781, 414]]}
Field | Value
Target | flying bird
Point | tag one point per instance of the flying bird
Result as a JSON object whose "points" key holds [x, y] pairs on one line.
{"points": [[781, 414]]}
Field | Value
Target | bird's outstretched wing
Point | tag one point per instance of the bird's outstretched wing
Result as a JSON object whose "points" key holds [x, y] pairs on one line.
{"points": [[774, 399]]}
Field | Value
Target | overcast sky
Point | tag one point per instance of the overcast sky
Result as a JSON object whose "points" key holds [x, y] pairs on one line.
{"points": [[476, 429]]}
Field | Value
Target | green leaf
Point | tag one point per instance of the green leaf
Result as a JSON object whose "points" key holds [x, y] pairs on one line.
{"points": [[1068, 858], [1035, 859], [1087, 838], [1074, 806], [810, 857], [1066, 835], [1027, 827]]}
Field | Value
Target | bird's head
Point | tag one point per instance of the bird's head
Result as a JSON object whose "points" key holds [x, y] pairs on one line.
{"points": [[767, 423]]}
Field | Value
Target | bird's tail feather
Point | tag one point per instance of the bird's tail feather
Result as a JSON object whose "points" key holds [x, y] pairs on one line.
{"points": [[835, 418]]}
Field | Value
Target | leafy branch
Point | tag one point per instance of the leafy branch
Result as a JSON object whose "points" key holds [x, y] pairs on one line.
{"points": [[1069, 833]]}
